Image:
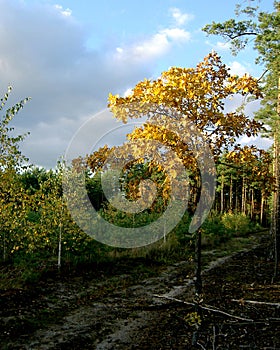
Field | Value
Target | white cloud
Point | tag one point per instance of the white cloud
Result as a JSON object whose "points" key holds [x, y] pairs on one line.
{"points": [[154, 46], [67, 12], [179, 17], [43, 55], [238, 68], [250, 109], [222, 45], [119, 50], [218, 46], [128, 92], [258, 141], [176, 34], [246, 140]]}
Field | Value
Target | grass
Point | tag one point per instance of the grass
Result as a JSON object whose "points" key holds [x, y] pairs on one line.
{"points": [[219, 238]]}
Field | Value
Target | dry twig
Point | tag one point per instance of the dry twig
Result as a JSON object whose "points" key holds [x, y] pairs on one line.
{"points": [[243, 301], [205, 307]]}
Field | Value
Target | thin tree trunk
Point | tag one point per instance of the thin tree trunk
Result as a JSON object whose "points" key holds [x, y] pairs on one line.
{"points": [[236, 197], [198, 278], [4, 246], [197, 284], [60, 240], [222, 194], [252, 203], [275, 212], [275, 222], [243, 198], [262, 209], [230, 193]]}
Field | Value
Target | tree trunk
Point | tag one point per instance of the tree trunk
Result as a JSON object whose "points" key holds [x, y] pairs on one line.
{"points": [[198, 278], [222, 194], [275, 222], [230, 193], [60, 240], [197, 284], [275, 212], [252, 204], [262, 209], [4, 246], [236, 197], [243, 199]]}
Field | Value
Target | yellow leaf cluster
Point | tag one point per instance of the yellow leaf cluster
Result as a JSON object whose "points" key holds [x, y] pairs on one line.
{"points": [[198, 94]]}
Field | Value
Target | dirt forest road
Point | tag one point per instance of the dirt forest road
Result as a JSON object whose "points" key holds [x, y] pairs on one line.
{"points": [[121, 310]]}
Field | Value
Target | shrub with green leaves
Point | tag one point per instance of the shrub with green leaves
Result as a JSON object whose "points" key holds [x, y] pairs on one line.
{"points": [[237, 223]]}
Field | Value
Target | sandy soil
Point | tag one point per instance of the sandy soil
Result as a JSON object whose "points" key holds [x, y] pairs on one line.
{"points": [[112, 308]]}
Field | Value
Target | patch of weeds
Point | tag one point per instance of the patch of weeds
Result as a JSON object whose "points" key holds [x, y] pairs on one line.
{"points": [[10, 278], [237, 223], [193, 319], [144, 271]]}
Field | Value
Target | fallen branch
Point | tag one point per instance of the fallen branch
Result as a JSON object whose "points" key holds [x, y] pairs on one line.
{"points": [[202, 347], [266, 322], [205, 307], [243, 301], [210, 308]]}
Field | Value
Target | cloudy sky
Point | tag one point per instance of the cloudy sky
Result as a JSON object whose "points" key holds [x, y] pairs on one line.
{"points": [[67, 55]]}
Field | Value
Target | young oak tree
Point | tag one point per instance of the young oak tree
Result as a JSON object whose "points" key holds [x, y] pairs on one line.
{"points": [[264, 29], [198, 94]]}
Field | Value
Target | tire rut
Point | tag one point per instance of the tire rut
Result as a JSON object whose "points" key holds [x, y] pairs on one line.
{"points": [[93, 317]]}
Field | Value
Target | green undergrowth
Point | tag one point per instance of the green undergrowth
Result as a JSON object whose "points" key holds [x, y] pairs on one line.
{"points": [[221, 235], [220, 228]]}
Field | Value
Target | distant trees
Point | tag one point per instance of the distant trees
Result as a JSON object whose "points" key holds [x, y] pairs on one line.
{"points": [[245, 183], [264, 29]]}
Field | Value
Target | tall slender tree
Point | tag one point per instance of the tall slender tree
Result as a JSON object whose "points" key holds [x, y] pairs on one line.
{"points": [[264, 29]]}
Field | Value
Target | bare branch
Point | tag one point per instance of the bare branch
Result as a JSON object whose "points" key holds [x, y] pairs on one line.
{"points": [[232, 37], [205, 307], [241, 301], [264, 73]]}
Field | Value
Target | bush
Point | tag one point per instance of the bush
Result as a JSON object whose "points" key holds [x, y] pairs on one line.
{"points": [[238, 224], [214, 231]]}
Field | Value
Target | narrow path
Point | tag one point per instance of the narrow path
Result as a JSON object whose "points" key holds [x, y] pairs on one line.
{"points": [[79, 314]]}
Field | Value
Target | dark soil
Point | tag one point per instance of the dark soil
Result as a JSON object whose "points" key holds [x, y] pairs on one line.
{"points": [[116, 306]]}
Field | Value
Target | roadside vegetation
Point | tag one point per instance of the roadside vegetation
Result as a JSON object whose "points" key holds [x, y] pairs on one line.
{"points": [[37, 232], [39, 238]]}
